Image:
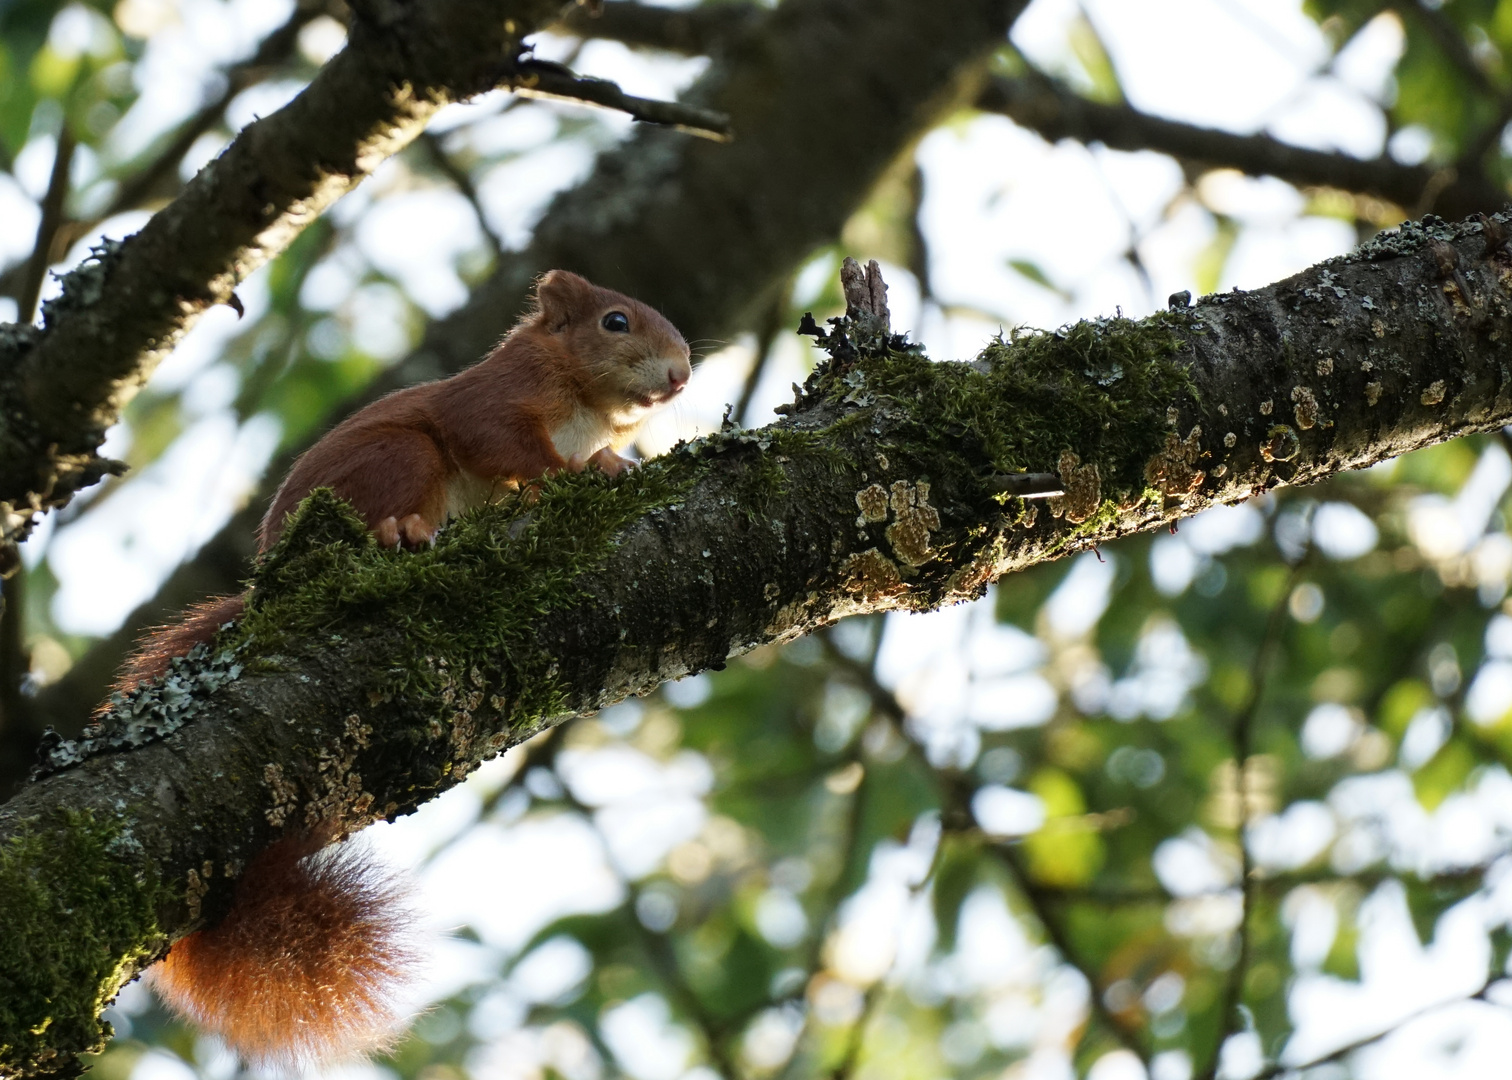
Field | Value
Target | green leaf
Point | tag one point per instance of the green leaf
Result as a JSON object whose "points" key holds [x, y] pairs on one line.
{"points": [[1444, 773], [1034, 273]]}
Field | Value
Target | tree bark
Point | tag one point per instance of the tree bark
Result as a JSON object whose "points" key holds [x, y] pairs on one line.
{"points": [[363, 681], [704, 232]]}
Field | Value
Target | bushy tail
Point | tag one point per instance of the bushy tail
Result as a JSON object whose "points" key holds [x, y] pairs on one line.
{"points": [[310, 962], [161, 644]]}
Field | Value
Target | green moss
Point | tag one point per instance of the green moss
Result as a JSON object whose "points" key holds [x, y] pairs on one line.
{"points": [[475, 596], [1099, 388], [78, 918]]}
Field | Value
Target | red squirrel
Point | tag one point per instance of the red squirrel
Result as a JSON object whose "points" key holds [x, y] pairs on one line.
{"points": [[304, 965]]}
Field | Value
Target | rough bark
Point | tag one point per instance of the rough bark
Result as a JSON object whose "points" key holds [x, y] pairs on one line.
{"points": [[704, 232], [124, 310], [364, 681]]}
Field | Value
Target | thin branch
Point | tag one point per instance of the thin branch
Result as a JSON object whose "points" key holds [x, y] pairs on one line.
{"points": [[1055, 112], [463, 183], [872, 999], [18, 729], [542, 79], [1027, 485], [1243, 732], [1451, 43], [18, 732], [958, 808], [658, 947], [35, 274], [1472, 160], [1271, 883], [772, 323], [1126, 1033], [271, 53], [1277, 1068]]}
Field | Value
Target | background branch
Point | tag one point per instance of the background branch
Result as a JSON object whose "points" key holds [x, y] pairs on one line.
{"points": [[157, 178], [1055, 112]]}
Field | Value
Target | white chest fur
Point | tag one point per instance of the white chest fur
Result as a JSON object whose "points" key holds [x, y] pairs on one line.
{"points": [[583, 433]]}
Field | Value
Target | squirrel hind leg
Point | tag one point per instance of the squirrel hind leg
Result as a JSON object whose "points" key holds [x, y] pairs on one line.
{"points": [[311, 962]]}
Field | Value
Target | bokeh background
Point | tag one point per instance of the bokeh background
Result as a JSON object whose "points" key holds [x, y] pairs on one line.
{"points": [[1003, 839]]}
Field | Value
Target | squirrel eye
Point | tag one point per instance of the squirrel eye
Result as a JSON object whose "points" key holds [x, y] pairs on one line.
{"points": [[616, 322]]}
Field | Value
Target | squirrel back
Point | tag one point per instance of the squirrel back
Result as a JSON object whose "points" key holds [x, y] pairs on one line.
{"points": [[306, 964]]}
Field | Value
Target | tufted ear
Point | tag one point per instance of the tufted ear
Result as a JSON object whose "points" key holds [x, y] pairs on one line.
{"points": [[561, 296]]}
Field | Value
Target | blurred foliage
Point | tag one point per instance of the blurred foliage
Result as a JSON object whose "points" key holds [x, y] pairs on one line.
{"points": [[920, 874]]}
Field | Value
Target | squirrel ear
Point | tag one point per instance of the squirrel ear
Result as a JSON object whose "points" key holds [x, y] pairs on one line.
{"points": [[560, 294]]}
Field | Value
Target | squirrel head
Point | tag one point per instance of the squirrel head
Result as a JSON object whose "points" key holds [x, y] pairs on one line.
{"points": [[634, 356]]}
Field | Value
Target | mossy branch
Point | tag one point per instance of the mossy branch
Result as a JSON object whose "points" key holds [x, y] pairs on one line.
{"points": [[363, 681]]}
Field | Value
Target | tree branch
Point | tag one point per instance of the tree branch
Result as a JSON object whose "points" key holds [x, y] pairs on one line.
{"points": [[1278, 1068], [1055, 112], [1450, 41], [654, 219], [554, 82], [363, 681], [34, 274], [958, 818], [1243, 740]]}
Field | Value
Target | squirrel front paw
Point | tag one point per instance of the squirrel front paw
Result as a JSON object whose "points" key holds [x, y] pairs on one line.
{"points": [[605, 460], [412, 531]]}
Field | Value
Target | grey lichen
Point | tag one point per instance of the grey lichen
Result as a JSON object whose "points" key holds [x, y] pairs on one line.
{"points": [[151, 712], [83, 286]]}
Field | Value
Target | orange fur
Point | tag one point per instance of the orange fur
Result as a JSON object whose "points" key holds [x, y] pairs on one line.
{"points": [[308, 962], [304, 965], [156, 648], [494, 421]]}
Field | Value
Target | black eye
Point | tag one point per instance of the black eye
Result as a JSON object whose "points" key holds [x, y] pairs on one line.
{"points": [[616, 323]]}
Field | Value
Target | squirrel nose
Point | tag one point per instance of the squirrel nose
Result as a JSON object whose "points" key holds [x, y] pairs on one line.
{"points": [[678, 374]]}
